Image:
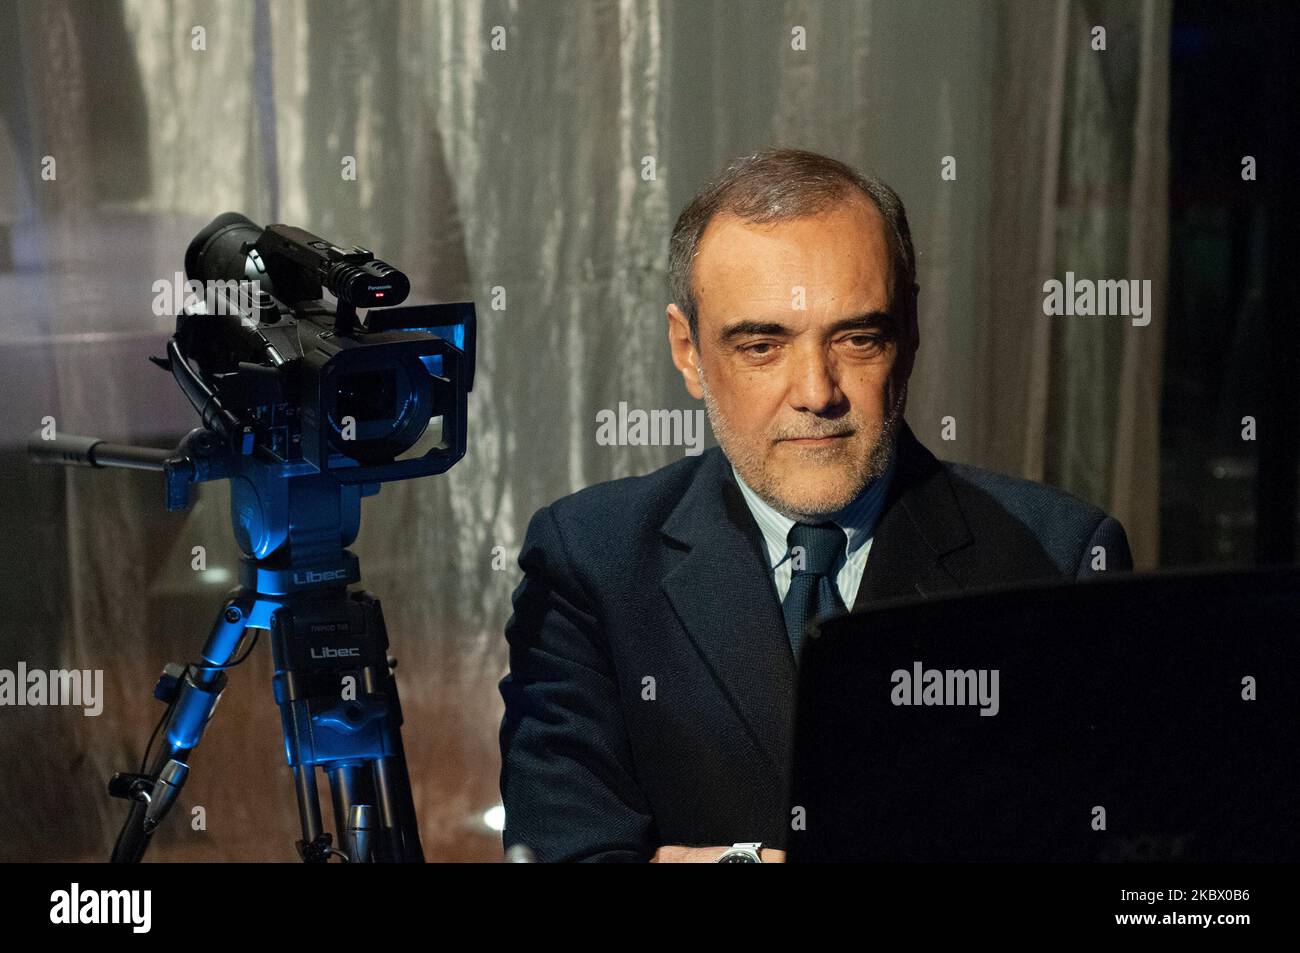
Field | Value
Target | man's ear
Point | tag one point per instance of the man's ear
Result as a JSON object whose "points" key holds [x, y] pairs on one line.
{"points": [[684, 353]]}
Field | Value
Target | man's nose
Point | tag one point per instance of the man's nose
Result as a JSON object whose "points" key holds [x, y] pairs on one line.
{"points": [[814, 388]]}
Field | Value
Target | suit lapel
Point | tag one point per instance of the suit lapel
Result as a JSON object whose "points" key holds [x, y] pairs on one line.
{"points": [[921, 522], [723, 595]]}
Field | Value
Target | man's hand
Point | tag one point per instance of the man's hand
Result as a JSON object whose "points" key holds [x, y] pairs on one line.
{"points": [[708, 855]]}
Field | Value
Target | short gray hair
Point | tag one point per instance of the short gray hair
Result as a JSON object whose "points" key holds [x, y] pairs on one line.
{"points": [[779, 184]]}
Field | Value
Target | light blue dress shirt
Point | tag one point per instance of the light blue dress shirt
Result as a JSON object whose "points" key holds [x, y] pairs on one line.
{"points": [[858, 520]]}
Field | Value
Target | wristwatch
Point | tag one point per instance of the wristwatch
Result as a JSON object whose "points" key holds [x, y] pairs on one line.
{"points": [[741, 854]]}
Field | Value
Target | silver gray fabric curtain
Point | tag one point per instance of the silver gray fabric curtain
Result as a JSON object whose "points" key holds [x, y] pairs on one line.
{"points": [[540, 180]]}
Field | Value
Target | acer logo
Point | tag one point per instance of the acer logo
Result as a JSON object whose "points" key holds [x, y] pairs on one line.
{"points": [[311, 576], [327, 652]]}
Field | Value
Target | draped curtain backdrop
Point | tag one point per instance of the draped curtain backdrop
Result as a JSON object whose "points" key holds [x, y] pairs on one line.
{"points": [[519, 178]]}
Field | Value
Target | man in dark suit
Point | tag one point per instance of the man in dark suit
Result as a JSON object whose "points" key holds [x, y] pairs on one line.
{"points": [[655, 636]]}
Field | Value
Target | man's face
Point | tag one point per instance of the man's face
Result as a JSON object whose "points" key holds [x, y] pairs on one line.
{"points": [[800, 365]]}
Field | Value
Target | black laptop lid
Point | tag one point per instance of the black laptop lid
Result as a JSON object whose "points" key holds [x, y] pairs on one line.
{"points": [[1137, 718]]}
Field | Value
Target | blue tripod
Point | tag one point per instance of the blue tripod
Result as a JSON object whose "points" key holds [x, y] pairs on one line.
{"points": [[334, 682]]}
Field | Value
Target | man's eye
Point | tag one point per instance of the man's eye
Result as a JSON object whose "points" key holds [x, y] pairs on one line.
{"points": [[864, 341], [753, 349]]}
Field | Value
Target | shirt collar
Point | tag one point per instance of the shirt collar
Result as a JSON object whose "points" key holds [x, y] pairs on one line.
{"points": [[858, 519]]}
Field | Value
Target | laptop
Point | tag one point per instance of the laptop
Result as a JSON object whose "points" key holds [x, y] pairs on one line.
{"points": [[1140, 718]]}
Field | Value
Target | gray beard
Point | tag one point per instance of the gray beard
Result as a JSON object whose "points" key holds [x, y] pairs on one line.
{"points": [[752, 473]]}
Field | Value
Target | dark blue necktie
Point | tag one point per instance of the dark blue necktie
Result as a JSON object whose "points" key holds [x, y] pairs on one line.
{"points": [[814, 550]]}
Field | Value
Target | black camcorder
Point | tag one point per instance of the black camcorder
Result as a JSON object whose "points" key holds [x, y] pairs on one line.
{"points": [[282, 373]]}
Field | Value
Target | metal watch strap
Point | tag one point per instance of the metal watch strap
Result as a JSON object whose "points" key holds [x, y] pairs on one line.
{"points": [[749, 851]]}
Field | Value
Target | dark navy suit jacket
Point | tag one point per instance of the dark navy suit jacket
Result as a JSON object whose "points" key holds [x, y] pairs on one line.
{"points": [[651, 689]]}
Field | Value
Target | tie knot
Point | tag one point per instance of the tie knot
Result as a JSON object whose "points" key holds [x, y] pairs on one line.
{"points": [[814, 548]]}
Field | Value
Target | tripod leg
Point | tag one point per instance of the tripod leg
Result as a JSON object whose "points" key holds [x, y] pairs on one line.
{"points": [[313, 844], [397, 806], [192, 694], [340, 712], [391, 777], [132, 838]]}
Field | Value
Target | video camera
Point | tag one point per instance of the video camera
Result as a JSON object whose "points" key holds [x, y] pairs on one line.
{"points": [[279, 372]]}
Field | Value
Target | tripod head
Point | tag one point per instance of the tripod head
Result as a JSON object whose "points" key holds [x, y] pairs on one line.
{"points": [[292, 525]]}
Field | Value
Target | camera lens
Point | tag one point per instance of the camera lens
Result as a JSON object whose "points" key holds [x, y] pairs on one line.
{"points": [[378, 412], [367, 396]]}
